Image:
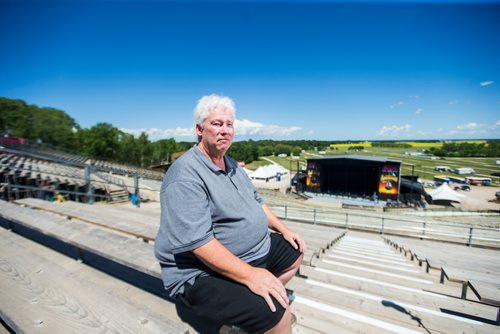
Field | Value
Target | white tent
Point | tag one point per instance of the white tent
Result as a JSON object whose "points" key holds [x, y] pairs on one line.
{"points": [[247, 171], [444, 193], [268, 172]]}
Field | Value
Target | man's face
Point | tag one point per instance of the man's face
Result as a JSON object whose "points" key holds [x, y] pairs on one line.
{"points": [[218, 131]]}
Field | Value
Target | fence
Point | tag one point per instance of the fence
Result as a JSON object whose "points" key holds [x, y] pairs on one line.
{"points": [[458, 233]]}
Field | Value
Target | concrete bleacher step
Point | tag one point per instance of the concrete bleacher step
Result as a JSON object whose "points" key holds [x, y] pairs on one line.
{"points": [[44, 291], [477, 269], [407, 315], [381, 274], [353, 273], [323, 318], [119, 195], [346, 283]]}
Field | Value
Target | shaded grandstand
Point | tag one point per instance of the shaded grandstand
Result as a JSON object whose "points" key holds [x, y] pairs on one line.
{"points": [[35, 171]]}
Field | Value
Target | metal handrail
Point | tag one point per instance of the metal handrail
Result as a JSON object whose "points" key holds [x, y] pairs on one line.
{"points": [[468, 234]]}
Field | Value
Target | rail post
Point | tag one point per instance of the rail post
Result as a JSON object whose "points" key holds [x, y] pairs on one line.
{"points": [[88, 184], [314, 216], [286, 212], [346, 221], [424, 224], [382, 227], [471, 229]]}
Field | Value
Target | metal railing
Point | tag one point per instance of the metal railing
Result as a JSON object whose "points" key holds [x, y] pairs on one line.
{"points": [[470, 235]]}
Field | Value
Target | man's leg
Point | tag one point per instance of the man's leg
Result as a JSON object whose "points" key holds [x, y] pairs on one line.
{"points": [[288, 273], [285, 324], [225, 302]]}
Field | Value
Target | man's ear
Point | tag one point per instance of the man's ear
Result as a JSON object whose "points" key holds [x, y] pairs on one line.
{"points": [[199, 130]]}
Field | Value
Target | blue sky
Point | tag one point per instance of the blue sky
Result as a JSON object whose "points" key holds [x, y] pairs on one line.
{"points": [[327, 70]]}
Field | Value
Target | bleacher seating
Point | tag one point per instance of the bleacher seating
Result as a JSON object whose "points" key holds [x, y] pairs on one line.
{"points": [[476, 269], [358, 284], [27, 176]]}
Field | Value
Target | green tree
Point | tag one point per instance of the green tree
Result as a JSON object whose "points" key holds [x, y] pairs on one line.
{"points": [[101, 141], [163, 149]]}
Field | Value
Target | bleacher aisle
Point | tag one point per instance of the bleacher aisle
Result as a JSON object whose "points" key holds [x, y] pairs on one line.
{"points": [[362, 285]]}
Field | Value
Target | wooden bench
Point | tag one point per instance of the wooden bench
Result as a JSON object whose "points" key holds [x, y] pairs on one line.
{"points": [[90, 214], [130, 252], [44, 291]]}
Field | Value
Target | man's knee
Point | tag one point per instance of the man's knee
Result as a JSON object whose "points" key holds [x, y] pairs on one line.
{"points": [[284, 325]]}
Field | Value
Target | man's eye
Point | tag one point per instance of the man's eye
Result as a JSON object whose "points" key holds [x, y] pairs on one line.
{"points": [[217, 124]]}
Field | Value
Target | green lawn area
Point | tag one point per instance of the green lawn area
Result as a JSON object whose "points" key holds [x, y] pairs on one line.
{"points": [[256, 164]]}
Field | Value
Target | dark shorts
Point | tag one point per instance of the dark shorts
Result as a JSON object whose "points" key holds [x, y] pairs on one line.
{"points": [[214, 301]]}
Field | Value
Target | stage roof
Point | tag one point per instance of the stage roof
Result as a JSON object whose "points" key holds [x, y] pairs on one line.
{"points": [[356, 157]]}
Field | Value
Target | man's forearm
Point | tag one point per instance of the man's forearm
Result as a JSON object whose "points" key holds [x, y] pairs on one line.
{"points": [[220, 259]]}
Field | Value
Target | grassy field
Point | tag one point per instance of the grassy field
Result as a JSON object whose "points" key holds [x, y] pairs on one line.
{"points": [[414, 144], [423, 166]]}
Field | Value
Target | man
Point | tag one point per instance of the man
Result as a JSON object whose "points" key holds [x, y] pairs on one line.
{"points": [[219, 261]]}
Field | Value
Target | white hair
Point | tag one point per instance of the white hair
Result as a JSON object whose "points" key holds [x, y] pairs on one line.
{"points": [[208, 103]]}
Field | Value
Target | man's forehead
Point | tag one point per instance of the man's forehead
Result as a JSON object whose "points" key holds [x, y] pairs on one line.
{"points": [[219, 113], [219, 108]]}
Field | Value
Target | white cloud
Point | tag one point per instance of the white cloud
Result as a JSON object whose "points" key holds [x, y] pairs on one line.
{"points": [[246, 127], [243, 127], [156, 134], [394, 130], [418, 111], [471, 126], [397, 104], [487, 83], [497, 123]]}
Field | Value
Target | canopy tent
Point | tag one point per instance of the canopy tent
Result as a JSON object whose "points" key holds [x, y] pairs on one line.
{"points": [[247, 171], [444, 193], [268, 172]]}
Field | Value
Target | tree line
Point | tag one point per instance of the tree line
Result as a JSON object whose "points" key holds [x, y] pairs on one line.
{"points": [[50, 127], [489, 149], [54, 128]]}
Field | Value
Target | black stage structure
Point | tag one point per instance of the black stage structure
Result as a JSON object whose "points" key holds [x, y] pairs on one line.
{"points": [[376, 178]]}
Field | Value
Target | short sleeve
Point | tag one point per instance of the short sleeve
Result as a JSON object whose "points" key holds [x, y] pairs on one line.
{"points": [[186, 222], [257, 197]]}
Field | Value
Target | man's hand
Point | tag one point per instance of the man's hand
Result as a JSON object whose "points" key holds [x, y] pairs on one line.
{"points": [[260, 281], [295, 240], [276, 224], [264, 284]]}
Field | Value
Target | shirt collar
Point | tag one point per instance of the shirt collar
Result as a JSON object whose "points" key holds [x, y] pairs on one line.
{"points": [[230, 165]]}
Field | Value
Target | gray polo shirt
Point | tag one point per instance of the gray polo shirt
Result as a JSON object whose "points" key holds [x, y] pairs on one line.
{"points": [[199, 203]]}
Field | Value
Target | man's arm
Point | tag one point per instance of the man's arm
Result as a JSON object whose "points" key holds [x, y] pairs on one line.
{"points": [[258, 280], [277, 225]]}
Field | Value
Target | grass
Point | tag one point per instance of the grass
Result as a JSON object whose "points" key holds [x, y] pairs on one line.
{"points": [[256, 164], [414, 144]]}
